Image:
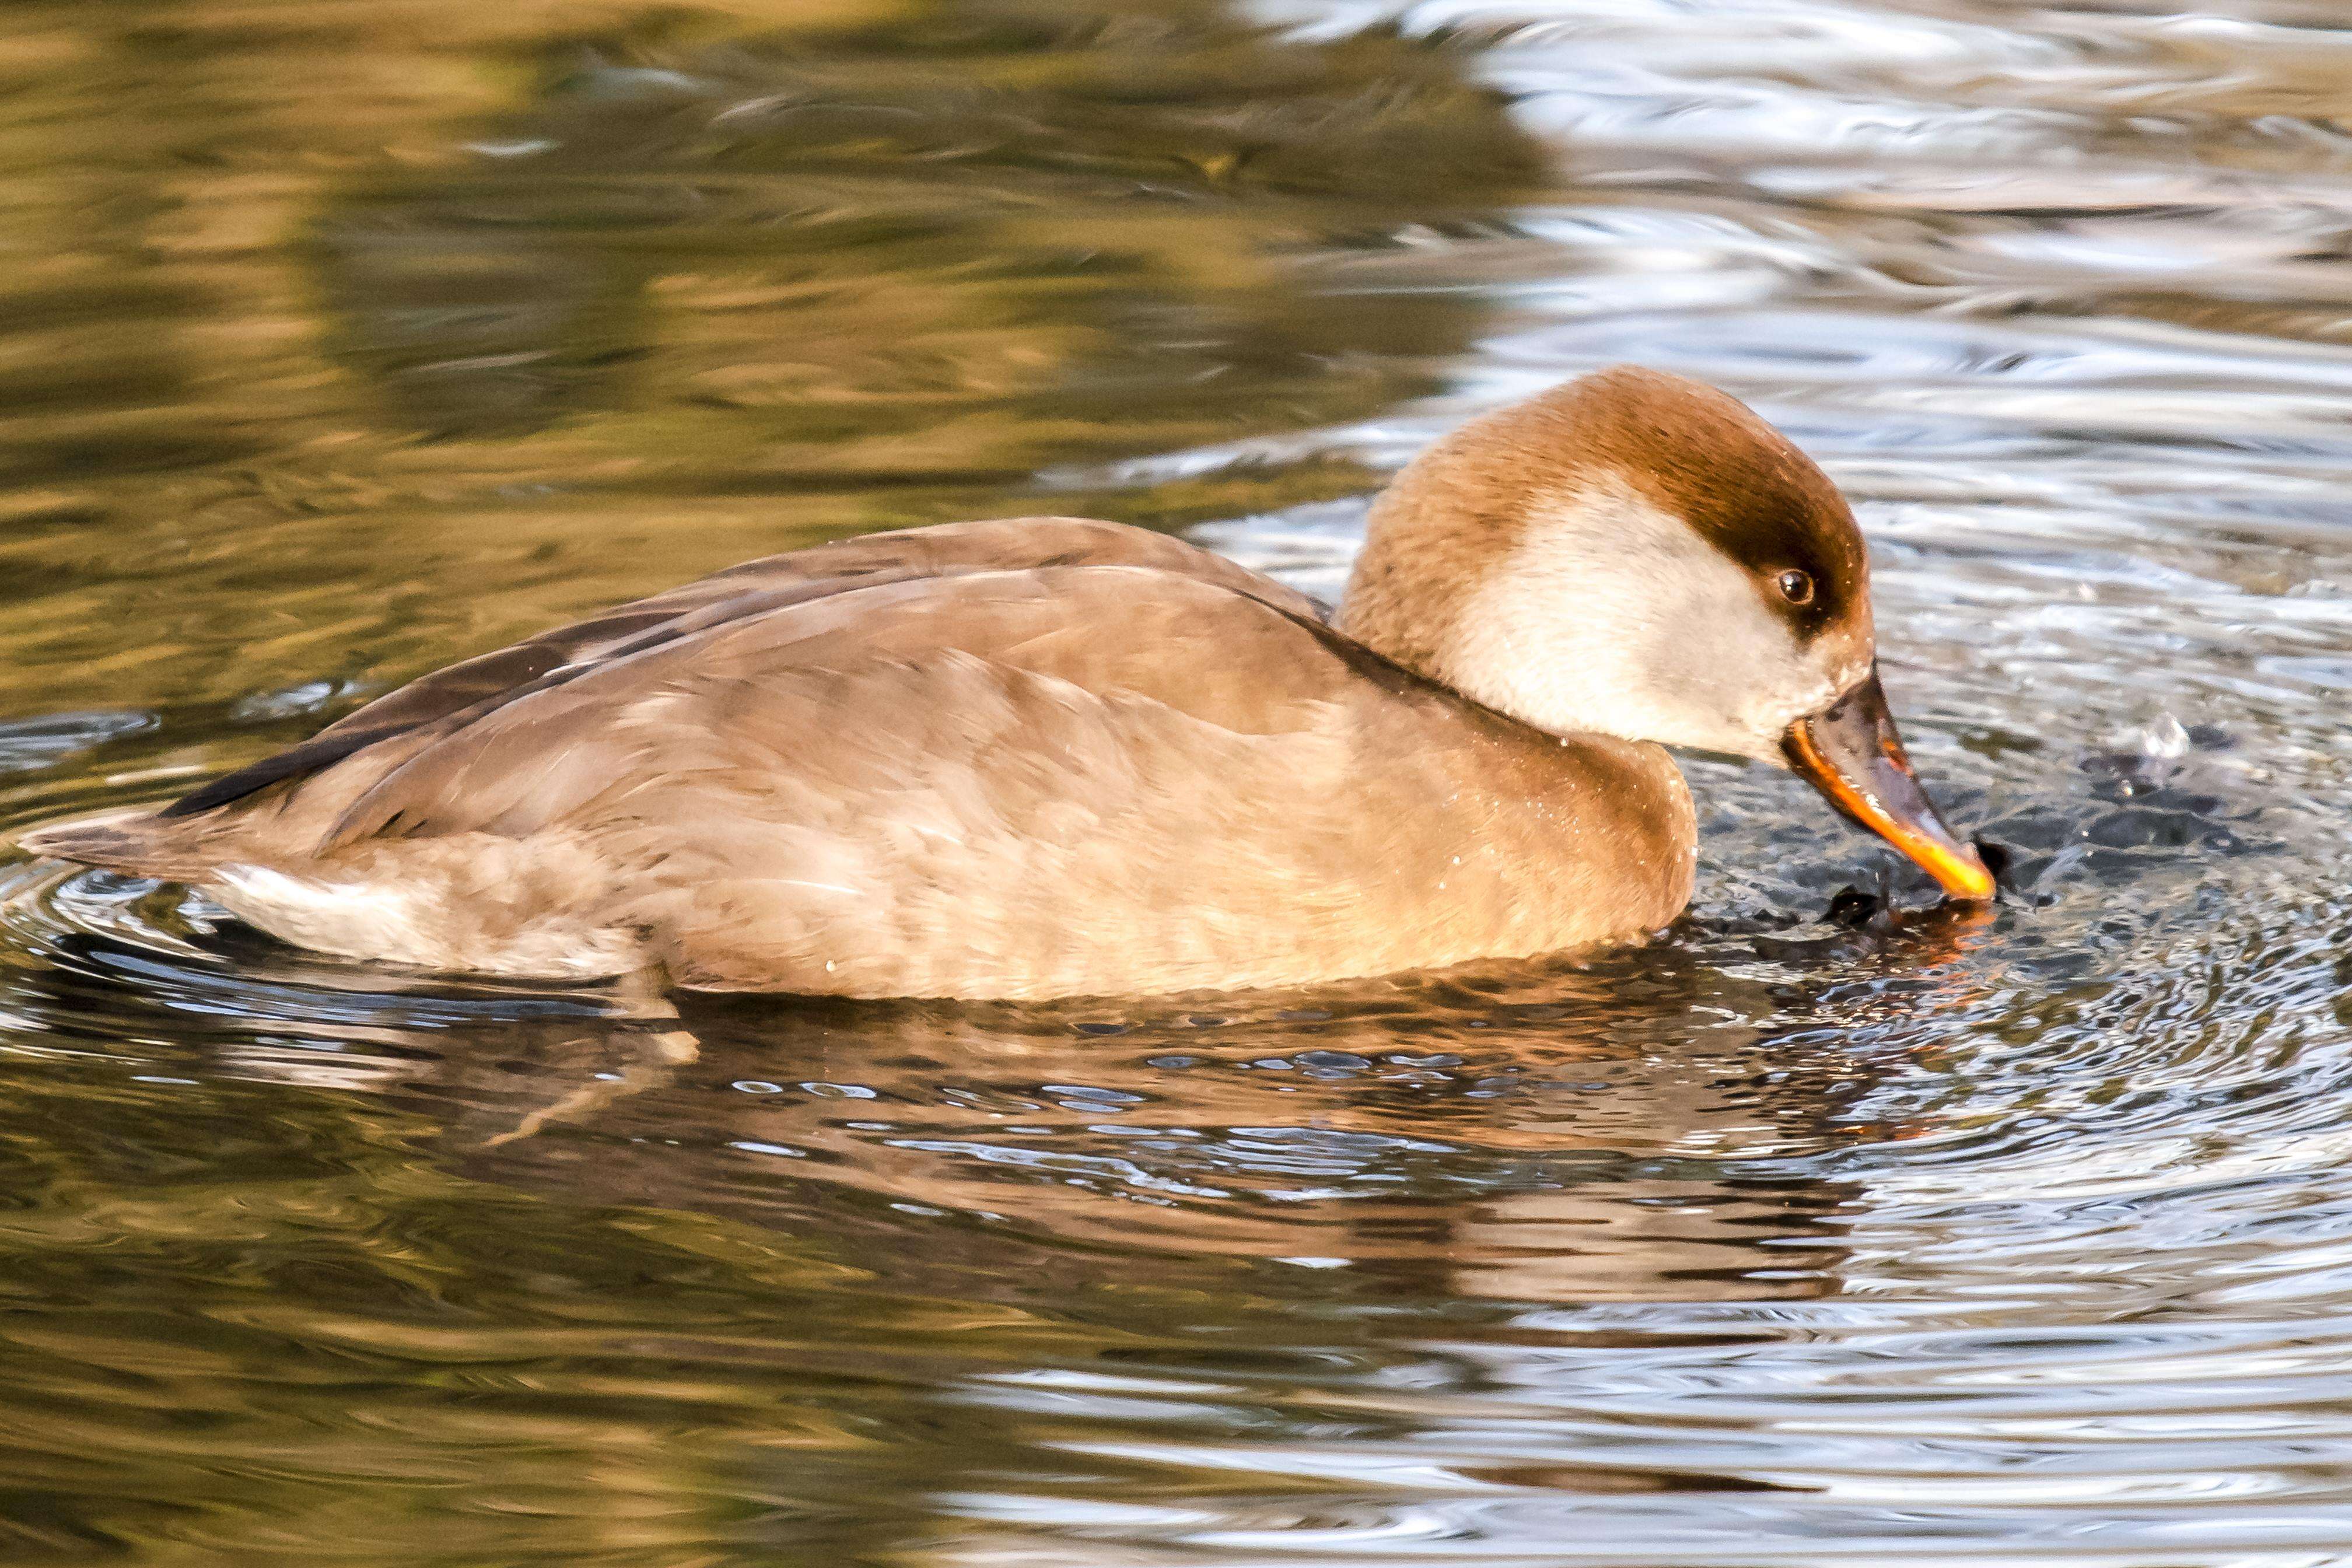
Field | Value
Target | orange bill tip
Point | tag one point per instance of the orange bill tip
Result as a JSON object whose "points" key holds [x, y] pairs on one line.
{"points": [[1852, 752]]}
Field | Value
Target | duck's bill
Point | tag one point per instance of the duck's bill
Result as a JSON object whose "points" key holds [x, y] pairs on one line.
{"points": [[1851, 753]]}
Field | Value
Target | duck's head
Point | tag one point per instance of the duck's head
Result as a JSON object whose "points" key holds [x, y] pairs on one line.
{"points": [[1639, 555]]}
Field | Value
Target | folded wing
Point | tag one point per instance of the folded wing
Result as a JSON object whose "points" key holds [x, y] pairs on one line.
{"points": [[470, 690]]}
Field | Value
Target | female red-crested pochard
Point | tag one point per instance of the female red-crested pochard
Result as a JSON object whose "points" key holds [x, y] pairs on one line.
{"points": [[1048, 756]]}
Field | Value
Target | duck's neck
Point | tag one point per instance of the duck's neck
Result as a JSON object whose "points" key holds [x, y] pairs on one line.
{"points": [[1531, 613], [1417, 579]]}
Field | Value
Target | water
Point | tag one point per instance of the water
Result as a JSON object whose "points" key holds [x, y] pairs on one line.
{"points": [[339, 339]]}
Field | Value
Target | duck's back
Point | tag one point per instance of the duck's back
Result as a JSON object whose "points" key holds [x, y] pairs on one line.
{"points": [[1036, 757]]}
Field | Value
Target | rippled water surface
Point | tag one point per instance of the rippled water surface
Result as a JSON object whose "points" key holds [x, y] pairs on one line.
{"points": [[341, 338]]}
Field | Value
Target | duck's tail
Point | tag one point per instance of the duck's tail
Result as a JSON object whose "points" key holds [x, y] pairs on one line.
{"points": [[140, 842]]}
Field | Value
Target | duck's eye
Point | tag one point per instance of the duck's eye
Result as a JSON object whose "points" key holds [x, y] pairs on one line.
{"points": [[1796, 587]]}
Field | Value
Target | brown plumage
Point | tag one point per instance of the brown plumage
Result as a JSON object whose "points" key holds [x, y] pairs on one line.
{"points": [[1022, 758]]}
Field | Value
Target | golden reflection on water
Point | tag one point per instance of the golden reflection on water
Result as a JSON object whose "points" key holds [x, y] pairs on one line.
{"points": [[426, 337]]}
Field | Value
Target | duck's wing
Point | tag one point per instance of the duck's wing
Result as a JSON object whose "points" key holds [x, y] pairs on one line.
{"points": [[885, 681], [473, 688]]}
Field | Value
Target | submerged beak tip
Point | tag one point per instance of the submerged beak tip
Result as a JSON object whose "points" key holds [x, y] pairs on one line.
{"points": [[1969, 879]]}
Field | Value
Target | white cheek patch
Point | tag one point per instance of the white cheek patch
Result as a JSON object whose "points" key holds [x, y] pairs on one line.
{"points": [[1615, 616]]}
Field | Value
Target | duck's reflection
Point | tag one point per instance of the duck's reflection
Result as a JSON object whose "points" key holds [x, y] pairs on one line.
{"points": [[1527, 1163], [1655, 1127], [893, 1272]]}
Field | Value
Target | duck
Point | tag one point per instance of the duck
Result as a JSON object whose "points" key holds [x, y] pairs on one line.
{"points": [[1043, 757]]}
